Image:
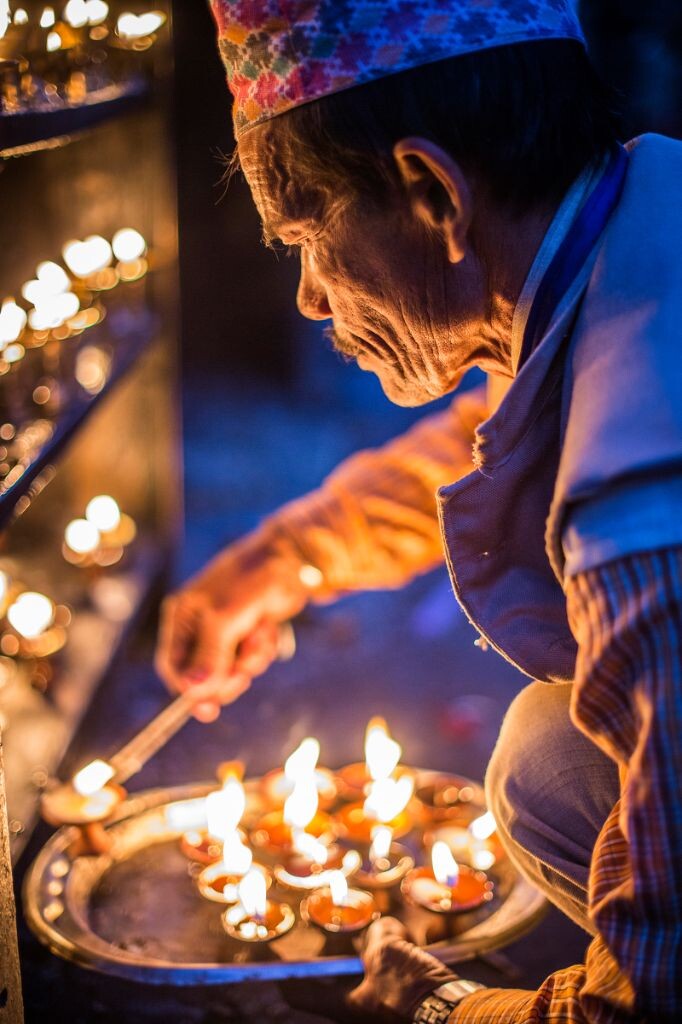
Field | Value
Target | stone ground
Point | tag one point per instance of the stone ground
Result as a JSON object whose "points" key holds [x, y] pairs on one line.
{"points": [[408, 655]]}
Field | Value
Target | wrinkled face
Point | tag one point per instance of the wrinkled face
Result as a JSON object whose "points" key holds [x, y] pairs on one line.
{"points": [[396, 303]]}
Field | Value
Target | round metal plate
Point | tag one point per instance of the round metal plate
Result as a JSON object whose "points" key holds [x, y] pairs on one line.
{"points": [[136, 912]]}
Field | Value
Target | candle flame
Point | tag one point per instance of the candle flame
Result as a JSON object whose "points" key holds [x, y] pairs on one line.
{"points": [[310, 847], [253, 893], [31, 614], [13, 319], [338, 887], [134, 26], [387, 798], [224, 808], [86, 258], [303, 761], [382, 753], [103, 512], [445, 867], [128, 245], [81, 536], [237, 857], [301, 805], [93, 777], [483, 827], [382, 837]]}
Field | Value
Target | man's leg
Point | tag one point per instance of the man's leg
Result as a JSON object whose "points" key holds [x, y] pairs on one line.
{"points": [[550, 790]]}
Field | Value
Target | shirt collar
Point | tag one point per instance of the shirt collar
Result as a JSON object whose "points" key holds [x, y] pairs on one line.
{"points": [[557, 231]]}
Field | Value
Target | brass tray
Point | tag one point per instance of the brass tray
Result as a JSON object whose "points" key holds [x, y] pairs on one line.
{"points": [[135, 912]]}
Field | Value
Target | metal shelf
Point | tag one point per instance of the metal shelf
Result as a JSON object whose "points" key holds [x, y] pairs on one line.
{"points": [[29, 131], [41, 726], [129, 335]]}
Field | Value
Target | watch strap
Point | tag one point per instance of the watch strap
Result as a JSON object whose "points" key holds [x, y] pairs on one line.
{"points": [[438, 1006]]}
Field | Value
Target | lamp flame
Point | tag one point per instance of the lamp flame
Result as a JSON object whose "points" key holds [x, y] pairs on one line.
{"points": [[134, 26], [310, 847], [382, 837], [445, 868], [253, 894], [76, 13], [12, 322], [338, 887], [300, 806], [93, 777], [387, 798], [224, 808], [103, 512], [31, 614], [86, 258], [81, 536], [483, 827], [4, 16], [20, 16], [382, 753], [128, 245], [303, 761], [47, 18], [237, 857]]}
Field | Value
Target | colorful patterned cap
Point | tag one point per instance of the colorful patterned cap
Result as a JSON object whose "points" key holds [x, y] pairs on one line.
{"points": [[280, 54]]}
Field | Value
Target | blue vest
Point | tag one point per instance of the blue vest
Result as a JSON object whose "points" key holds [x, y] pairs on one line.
{"points": [[598, 402]]}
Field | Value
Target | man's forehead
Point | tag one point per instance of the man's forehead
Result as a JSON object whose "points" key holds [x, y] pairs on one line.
{"points": [[288, 210]]}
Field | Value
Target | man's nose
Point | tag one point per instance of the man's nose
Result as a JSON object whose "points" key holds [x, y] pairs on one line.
{"points": [[311, 297]]}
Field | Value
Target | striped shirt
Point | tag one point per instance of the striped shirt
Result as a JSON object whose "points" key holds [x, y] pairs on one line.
{"points": [[627, 619]]}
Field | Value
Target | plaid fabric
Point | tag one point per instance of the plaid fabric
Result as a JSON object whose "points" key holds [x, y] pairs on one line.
{"points": [[627, 619], [282, 53]]}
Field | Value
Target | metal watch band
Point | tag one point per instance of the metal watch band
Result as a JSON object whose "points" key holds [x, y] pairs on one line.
{"points": [[437, 1007]]}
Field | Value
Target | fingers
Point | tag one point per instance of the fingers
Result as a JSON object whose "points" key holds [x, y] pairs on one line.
{"points": [[258, 650], [383, 931]]}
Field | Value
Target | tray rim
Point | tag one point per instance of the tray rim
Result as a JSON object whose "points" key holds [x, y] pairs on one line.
{"points": [[121, 964]]}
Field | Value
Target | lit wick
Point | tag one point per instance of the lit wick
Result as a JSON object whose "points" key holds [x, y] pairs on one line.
{"points": [[302, 763], [446, 887], [310, 863], [276, 829], [256, 919], [219, 882], [223, 809], [88, 798]]}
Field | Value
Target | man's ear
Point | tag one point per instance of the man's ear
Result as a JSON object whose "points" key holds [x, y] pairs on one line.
{"points": [[438, 192]]}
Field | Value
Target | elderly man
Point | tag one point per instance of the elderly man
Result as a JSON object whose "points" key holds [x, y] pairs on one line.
{"points": [[449, 174]]}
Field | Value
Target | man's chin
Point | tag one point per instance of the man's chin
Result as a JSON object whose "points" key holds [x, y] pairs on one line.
{"points": [[407, 394]]}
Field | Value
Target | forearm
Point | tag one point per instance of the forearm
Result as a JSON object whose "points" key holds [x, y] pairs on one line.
{"points": [[373, 523]]}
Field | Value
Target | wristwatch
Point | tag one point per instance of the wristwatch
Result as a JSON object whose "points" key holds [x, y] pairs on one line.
{"points": [[437, 1007]]}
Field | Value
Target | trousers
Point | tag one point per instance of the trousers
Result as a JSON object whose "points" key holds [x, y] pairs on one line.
{"points": [[550, 790]]}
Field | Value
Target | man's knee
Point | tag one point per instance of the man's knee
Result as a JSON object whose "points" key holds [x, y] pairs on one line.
{"points": [[535, 731]]}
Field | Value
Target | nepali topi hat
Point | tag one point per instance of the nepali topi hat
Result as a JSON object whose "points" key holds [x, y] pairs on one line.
{"points": [[281, 54]]}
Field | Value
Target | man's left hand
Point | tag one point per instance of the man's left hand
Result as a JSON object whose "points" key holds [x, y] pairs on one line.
{"points": [[398, 974]]}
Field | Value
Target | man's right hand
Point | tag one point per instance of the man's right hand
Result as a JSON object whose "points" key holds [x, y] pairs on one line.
{"points": [[222, 628]]}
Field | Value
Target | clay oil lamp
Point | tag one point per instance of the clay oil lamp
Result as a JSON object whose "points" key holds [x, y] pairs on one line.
{"points": [[387, 797], [89, 797], [279, 784], [476, 844], [255, 919], [443, 798], [384, 867], [382, 754], [223, 812], [87, 801], [275, 830], [446, 887], [219, 882], [309, 863], [338, 910]]}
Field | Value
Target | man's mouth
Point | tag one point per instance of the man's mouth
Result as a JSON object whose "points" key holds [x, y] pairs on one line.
{"points": [[347, 347]]}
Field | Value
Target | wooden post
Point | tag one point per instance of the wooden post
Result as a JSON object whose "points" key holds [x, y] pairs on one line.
{"points": [[11, 1002]]}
